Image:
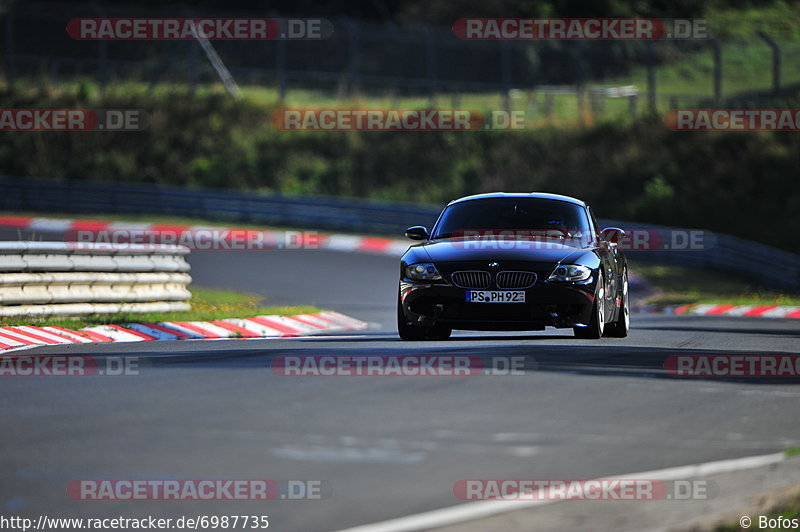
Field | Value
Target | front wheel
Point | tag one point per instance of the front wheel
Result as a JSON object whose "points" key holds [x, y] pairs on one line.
{"points": [[594, 329], [419, 332]]}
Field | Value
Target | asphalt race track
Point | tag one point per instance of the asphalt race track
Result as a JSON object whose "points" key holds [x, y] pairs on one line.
{"points": [[385, 447]]}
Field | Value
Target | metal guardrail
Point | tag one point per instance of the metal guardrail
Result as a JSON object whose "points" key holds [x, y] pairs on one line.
{"points": [[761, 264], [328, 213], [758, 264], [68, 278]]}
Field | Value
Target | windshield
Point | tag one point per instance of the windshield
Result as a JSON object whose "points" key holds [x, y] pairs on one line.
{"points": [[515, 218]]}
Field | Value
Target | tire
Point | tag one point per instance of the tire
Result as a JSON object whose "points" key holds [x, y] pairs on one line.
{"points": [[439, 332], [419, 332], [622, 325], [597, 322]]}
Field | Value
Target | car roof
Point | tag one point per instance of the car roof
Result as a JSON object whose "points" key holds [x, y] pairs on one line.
{"points": [[537, 195]]}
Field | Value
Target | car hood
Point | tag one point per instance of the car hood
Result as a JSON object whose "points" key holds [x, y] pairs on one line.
{"points": [[535, 251]]}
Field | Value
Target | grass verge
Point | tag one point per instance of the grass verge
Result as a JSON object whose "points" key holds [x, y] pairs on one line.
{"points": [[785, 513], [676, 285], [206, 305], [792, 451], [787, 508]]}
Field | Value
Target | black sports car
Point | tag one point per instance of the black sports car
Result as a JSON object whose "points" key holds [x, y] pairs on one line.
{"points": [[513, 262]]}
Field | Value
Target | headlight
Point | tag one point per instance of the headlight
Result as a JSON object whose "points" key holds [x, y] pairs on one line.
{"points": [[570, 272], [422, 272]]}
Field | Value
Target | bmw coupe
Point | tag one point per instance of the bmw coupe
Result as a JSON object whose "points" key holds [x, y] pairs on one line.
{"points": [[513, 262]]}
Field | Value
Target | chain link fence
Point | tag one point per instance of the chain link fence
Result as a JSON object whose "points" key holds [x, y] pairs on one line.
{"points": [[367, 59]]}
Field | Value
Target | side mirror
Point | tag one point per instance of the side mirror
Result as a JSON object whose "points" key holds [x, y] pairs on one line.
{"points": [[417, 232], [612, 234]]}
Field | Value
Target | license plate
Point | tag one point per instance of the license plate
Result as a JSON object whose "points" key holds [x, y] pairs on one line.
{"points": [[496, 296]]}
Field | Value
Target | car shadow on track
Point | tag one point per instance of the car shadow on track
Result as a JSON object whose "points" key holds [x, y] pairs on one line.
{"points": [[382, 336], [673, 363]]}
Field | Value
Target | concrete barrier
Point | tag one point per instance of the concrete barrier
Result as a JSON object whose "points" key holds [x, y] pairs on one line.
{"points": [[66, 278]]}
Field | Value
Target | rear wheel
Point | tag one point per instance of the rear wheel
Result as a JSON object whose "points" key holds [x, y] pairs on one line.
{"points": [[419, 332], [594, 329], [620, 327]]}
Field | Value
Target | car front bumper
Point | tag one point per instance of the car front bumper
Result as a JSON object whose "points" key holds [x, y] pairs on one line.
{"points": [[546, 304]]}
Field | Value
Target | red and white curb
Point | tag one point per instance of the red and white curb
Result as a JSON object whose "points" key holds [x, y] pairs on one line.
{"points": [[761, 311], [271, 326], [208, 237]]}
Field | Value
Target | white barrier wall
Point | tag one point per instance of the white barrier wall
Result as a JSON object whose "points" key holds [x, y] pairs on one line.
{"points": [[65, 278]]}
